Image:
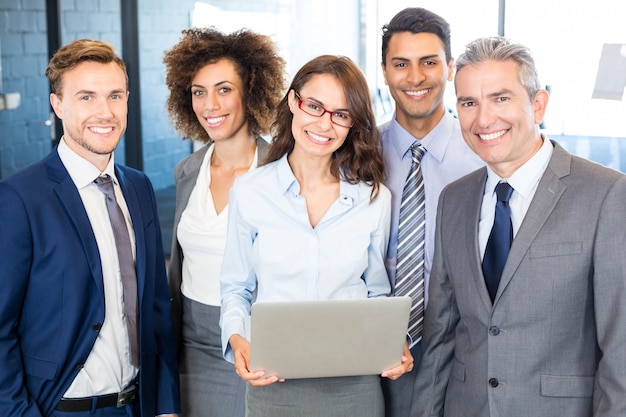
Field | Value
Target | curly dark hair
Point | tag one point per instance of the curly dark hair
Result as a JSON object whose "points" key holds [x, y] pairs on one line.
{"points": [[256, 59], [358, 159]]}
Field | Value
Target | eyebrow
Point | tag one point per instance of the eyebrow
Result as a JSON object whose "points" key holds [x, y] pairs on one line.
{"points": [[217, 84], [421, 58], [504, 91], [323, 105], [501, 92], [91, 92]]}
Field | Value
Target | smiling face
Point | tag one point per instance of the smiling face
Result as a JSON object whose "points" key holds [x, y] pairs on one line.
{"points": [[498, 119], [416, 72], [217, 93], [318, 136], [93, 108]]}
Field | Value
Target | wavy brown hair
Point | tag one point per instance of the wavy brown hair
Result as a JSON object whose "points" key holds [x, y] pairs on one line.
{"points": [[358, 159], [77, 52], [256, 60]]}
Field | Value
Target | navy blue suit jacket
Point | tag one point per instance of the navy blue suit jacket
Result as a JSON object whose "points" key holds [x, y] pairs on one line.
{"points": [[52, 296]]}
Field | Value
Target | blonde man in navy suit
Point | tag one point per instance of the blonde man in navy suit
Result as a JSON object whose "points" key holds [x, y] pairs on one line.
{"points": [[548, 338], [65, 348]]}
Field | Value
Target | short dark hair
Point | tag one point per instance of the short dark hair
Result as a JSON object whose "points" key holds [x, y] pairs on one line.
{"points": [[417, 20], [77, 52]]}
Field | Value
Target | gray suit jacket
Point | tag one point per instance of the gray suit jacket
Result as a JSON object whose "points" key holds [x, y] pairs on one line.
{"points": [[554, 341], [185, 175]]}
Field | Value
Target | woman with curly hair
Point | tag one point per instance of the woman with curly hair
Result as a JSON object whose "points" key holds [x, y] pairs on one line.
{"points": [[312, 223], [224, 89]]}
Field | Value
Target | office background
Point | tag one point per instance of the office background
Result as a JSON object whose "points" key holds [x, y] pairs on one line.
{"points": [[579, 46]]}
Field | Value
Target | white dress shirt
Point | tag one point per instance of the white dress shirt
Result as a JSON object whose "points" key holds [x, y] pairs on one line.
{"points": [[202, 235], [107, 368], [524, 182]]}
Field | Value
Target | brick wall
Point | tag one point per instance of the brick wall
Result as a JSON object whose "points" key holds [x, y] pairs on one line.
{"points": [[24, 136]]}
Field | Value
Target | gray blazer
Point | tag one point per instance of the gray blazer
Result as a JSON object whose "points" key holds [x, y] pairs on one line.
{"points": [[554, 341], [185, 175]]}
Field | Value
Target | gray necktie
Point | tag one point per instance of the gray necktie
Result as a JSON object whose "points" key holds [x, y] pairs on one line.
{"points": [[411, 229], [126, 261]]}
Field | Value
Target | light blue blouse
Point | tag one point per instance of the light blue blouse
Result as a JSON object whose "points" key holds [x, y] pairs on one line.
{"points": [[272, 252]]}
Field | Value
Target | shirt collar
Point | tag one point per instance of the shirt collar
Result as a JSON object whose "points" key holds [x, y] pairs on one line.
{"points": [[435, 142], [528, 175], [82, 172], [288, 183]]}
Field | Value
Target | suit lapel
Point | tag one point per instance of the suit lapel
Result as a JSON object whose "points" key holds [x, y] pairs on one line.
{"points": [[472, 200], [187, 180], [70, 199], [549, 191], [262, 147]]}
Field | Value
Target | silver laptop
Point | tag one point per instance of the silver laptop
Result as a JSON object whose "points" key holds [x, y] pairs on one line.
{"points": [[309, 339]]}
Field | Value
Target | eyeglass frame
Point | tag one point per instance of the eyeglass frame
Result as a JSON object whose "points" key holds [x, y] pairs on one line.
{"points": [[324, 111]]}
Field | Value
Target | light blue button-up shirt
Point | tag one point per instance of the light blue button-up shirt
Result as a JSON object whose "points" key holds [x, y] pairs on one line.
{"points": [[272, 252], [447, 158]]}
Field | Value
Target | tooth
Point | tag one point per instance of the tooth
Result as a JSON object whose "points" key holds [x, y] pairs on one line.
{"points": [[492, 136], [418, 93]]}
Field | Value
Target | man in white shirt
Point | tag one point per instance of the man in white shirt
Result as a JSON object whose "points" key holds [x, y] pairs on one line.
{"points": [[85, 324], [542, 335]]}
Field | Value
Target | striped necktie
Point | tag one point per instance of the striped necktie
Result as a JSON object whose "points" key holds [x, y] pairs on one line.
{"points": [[411, 236]]}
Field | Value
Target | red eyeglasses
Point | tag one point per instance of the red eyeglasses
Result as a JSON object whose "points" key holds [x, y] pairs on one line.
{"points": [[312, 108]]}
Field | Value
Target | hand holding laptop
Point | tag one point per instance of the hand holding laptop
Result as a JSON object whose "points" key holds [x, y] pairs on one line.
{"points": [[404, 367], [241, 352], [326, 338]]}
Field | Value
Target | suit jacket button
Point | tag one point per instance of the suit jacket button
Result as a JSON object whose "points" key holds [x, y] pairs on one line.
{"points": [[494, 330], [96, 327], [493, 382], [80, 366]]}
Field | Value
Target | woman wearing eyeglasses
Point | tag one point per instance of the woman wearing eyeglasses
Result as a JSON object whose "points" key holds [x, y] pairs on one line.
{"points": [[312, 223]]}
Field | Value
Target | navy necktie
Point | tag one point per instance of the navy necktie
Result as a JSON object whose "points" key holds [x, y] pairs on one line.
{"points": [[500, 240]]}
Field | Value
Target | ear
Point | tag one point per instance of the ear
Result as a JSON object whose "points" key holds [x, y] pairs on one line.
{"points": [[540, 104], [384, 68], [293, 101], [451, 69], [56, 103]]}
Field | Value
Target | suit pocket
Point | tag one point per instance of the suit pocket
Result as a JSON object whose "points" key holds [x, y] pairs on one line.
{"points": [[566, 386], [458, 370], [39, 368], [556, 249]]}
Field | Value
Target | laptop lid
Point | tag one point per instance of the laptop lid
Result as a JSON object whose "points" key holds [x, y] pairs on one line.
{"points": [[325, 338]]}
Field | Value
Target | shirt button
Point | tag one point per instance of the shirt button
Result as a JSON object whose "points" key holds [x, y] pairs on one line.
{"points": [[494, 330], [493, 382]]}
